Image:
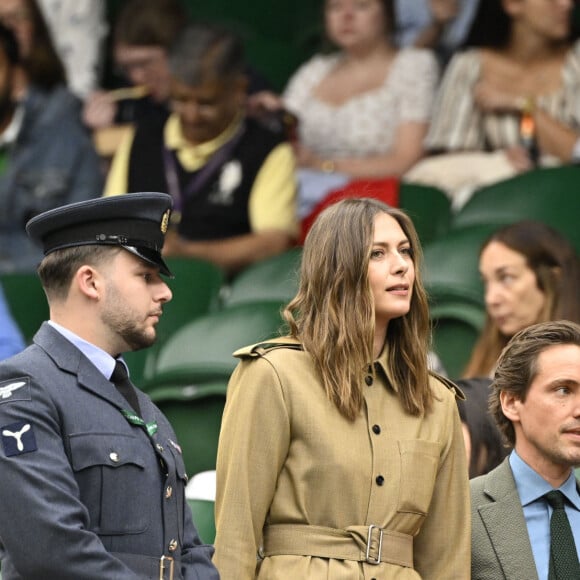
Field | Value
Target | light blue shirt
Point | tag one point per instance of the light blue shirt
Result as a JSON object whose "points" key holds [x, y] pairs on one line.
{"points": [[537, 512], [104, 362]]}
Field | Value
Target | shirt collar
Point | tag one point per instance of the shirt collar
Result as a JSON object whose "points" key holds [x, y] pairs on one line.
{"points": [[192, 157], [104, 362], [531, 485]]}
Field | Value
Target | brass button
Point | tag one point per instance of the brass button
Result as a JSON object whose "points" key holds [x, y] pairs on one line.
{"points": [[168, 492], [159, 448], [114, 457], [173, 545]]}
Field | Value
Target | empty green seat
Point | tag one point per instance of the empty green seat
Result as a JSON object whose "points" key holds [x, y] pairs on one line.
{"points": [[428, 207], [202, 350], [549, 195], [275, 278]]}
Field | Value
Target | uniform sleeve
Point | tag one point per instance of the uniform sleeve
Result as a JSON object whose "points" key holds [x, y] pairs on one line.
{"points": [[39, 492], [272, 204], [118, 176], [442, 549], [456, 122], [253, 445]]}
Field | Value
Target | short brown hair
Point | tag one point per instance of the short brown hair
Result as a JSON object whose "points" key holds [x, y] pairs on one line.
{"points": [[57, 269], [518, 364]]}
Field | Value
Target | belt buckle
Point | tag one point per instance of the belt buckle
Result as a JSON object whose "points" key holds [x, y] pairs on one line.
{"points": [[164, 563], [370, 559]]}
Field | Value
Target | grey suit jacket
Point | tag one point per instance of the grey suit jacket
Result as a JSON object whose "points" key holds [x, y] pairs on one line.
{"points": [[83, 492], [501, 548]]}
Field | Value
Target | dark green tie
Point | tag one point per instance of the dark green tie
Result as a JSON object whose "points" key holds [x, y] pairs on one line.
{"points": [[563, 555], [120, 378]]}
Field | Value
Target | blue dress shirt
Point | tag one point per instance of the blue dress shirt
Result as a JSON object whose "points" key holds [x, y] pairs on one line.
{"points": [[537, 512]]}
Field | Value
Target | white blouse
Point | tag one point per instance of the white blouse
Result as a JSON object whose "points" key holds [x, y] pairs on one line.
{"points": [[366, 124]]}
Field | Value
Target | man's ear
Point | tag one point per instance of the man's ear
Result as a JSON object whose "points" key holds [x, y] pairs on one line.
{"points": [[510, 405], [89, 282]]}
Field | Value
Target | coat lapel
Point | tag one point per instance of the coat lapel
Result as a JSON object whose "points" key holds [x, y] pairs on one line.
{"points": [[70, 359], [506, 526]]}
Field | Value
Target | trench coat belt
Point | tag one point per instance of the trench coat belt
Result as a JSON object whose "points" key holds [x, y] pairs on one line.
{"points": [[150, 568], [370, 544]]}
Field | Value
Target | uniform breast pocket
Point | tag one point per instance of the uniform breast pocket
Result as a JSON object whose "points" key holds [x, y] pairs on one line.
{"points": [[419, 461], [109, 469]]}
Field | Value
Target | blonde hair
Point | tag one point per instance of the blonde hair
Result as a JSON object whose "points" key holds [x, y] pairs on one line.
{"points": [[333, 314]]}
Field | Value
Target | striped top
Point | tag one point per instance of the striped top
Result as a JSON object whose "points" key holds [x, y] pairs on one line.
{"points": [[458, 125]]}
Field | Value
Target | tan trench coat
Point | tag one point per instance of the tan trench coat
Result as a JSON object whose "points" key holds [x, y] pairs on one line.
{"points": [[287, 456]]}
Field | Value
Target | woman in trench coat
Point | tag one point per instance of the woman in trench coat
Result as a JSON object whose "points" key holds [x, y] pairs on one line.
{"points": [[341, 457]]}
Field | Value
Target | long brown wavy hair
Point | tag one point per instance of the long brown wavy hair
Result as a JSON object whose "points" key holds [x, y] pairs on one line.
{"points": [[333, 313], [556, 267]]}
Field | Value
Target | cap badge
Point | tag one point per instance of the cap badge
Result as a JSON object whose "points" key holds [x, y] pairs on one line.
{"points": [[165, 221]]}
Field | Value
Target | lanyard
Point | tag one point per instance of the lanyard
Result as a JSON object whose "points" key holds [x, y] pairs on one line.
{"points": [[200, 177], [150, 428]]}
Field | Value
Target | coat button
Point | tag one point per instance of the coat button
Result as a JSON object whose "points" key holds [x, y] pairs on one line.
{"points": [[376, 429], [172, 545], [159, 448], [168, 492], [380, 480], [369, 380], [114, 457]]}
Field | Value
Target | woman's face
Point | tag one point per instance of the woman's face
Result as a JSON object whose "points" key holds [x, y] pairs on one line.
{"points": [[512, 297], [391, 270], [549, 19], [355, 24]]}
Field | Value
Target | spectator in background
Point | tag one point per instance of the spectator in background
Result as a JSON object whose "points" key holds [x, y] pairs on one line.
{"points": [[78, 29], [231, 179], [509, 101], [363, 110], [142, 35], [441, 25], [531, 273], [11, 340], [46, 156], [484, 446], [41, 65]]}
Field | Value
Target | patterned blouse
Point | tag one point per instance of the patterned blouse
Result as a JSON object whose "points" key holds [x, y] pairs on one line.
{"points": [[458, 124], [366, 124]]}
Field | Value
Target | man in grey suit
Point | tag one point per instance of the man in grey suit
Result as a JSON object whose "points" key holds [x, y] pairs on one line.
{"points": [[91, 475], [536, 403]]}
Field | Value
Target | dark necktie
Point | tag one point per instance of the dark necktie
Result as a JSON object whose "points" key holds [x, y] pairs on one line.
{"points": [[563, 555], [120, 379]]}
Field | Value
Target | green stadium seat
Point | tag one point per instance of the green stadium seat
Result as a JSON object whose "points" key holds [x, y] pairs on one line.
{"points": [[428, 207], [451, 270], [202, 350], [27, 301], [195, 413], [203, 512], [275, 278], [456, 327], [549, 195]]}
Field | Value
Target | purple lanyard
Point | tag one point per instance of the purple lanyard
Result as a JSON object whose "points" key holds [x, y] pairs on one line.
{"points": [[200, 177]]}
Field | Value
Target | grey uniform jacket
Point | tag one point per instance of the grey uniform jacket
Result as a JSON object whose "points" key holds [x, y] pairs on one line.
{"points": [[501, 547], [82, 491]]}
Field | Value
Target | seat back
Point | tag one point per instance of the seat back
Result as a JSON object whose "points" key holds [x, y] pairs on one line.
{"points": [[26, 300], [202, 511], [428, 207], [202, 349], [275, 278], [549, 195]]}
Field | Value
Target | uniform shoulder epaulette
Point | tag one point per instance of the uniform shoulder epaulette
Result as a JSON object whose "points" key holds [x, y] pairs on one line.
{"points": [[459, 394], [261, 348]]}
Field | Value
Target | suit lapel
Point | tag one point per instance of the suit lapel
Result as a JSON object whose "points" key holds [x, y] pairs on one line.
{"points": [[505, 523]]}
